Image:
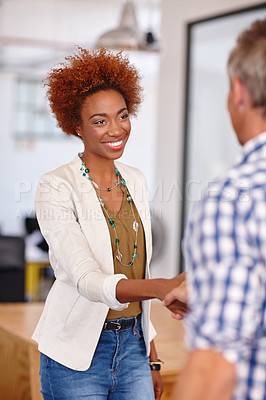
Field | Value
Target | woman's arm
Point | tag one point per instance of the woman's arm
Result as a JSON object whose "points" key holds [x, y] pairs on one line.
{"points": [[156, 376], [138, 289]]}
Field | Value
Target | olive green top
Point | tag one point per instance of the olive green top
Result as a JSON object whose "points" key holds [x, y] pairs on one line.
{"points": [[124, 227]]}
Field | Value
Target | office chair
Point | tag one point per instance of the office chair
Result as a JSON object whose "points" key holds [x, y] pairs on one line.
{"points": [[12, 269]]}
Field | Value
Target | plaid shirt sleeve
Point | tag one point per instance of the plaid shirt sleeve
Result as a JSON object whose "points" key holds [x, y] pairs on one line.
{"points": [[225, 258]]}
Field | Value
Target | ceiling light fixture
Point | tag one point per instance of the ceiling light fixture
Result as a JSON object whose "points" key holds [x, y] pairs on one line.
{"points": [[127, 35]]}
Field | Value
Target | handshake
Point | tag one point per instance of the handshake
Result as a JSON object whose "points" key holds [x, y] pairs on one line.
{"points": [[176, 298]]}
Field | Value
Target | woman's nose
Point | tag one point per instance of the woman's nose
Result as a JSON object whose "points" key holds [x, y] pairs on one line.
{"points": [[114, 129]]}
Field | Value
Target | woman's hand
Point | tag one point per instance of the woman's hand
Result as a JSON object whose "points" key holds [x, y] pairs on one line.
{"points": [[167, 285], [176, 301], [157, 384]]}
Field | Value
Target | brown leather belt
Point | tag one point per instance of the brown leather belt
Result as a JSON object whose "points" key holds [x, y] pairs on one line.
{"points": [[117, 326]]}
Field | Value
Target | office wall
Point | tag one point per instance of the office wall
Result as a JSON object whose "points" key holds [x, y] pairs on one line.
{"points": [[176, 14]]}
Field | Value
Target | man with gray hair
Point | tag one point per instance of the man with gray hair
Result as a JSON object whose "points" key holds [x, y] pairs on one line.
{"points": [[225, 250]]}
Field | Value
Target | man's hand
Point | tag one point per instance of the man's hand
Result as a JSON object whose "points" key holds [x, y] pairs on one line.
{"points": [[176, 301]]}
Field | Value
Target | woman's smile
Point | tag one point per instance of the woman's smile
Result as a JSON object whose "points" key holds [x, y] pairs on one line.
{"points": [[115, 145]]}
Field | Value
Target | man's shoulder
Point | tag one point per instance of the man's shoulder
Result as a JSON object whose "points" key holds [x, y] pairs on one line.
{"points": [[246, 177]]}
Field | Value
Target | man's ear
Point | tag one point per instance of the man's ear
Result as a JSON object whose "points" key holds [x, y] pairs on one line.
{"points": [[240, 94]]}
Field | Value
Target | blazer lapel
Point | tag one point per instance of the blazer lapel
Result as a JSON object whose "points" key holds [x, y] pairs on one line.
{"points": [[92, 220]]}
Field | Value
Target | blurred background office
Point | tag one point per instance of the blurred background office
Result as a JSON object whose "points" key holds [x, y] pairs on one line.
{"points": [[182, 137], [181, 140]]}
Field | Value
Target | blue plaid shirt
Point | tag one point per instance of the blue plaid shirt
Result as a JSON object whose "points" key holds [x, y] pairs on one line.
{"points": [[225, 252]]}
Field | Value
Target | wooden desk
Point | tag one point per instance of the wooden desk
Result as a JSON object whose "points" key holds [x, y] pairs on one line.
{"points": [[19, 356]]}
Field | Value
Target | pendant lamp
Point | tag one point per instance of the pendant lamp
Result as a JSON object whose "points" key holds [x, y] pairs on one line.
{"points": [[127, 35]]}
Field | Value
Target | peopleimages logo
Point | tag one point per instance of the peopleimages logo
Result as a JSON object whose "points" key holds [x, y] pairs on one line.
{"points": [[194, 191], [22, 187]]}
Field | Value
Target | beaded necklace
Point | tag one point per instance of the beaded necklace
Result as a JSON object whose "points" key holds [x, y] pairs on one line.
{"points": [[85, 172]]}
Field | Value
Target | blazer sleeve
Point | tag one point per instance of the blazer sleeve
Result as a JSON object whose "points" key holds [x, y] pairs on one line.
{"points": [[152, 331], [70, 255]]}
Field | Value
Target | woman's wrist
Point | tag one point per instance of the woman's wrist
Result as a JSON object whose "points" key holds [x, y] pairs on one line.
{"points": [[161, 287], [155, 365], [155, 362]]}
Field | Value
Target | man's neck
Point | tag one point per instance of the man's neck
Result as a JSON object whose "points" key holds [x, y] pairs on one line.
{"points": [[253, 125]]}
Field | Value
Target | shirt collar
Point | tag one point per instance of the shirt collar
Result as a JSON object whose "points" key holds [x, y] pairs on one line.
{"points": [[251, 146]]}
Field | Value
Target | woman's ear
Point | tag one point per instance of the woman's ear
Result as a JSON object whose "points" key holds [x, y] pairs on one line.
{"points": [[78, 131]]}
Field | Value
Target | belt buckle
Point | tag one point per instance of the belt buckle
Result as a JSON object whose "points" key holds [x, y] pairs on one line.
{"points": [[118, 326]]}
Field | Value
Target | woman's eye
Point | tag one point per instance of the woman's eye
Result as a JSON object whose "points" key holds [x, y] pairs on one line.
{"points": [[124, 116], [100, 122]]}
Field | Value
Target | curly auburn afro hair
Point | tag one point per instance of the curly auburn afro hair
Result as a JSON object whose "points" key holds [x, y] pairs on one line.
{"points": [[85, 73]]}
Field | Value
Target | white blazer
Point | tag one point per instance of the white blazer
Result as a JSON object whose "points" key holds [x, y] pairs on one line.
{"points": [[80, 252]]}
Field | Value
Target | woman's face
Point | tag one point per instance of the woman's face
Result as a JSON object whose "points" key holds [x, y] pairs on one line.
{"points": [[105, 125]]}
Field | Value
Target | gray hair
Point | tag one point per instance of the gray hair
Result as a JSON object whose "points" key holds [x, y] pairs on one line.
{"points": [[247, 61]]}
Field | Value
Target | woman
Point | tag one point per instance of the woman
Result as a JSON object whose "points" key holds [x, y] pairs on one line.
{"points": [[94, 334]]}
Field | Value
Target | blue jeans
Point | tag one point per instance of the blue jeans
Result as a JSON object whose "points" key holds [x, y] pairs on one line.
{"points": [[119, 371]]}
